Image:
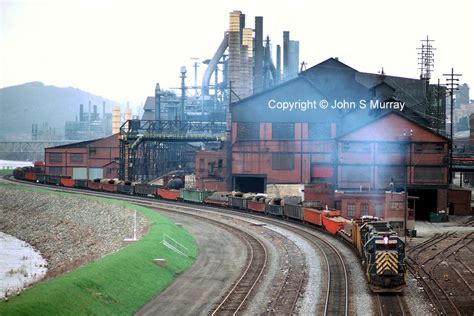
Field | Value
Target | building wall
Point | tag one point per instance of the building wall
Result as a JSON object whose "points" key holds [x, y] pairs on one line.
{"points": [[460, 202], [209, 176], [308, 157], [93, 156]]}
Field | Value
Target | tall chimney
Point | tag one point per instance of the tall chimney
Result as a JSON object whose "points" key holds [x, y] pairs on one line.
{"points": [[246, 63], [90, 112], [157, 105], [116, 120], [471, 130], [81, 112], [293, 59], [234, 54], [278, 66], [286, 50], [258, 56], [94, 117], [103, 110]]}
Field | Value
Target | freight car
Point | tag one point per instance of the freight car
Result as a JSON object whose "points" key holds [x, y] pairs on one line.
{"points": [[382, 252]]}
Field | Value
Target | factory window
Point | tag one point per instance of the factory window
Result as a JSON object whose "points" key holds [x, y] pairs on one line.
{"points": [[429, 174], [378, 209], [55, 171], [396, 205], [390, 147], [283, 161], [211, 168], [356, 147], [76, 158], [55, 157], [201, 164], [248, 131], [281, 131], [388, 175], [355, 174], [351, 209], [429, 148], [220, 163], [319, 131], [364, 209]]}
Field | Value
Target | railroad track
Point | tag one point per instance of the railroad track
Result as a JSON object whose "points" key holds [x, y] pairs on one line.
{"points": [[292, 286], [433, 289], [391, 304], [236, 298], [336, 299]]}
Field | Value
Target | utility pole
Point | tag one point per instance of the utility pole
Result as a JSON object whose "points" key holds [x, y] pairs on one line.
{"points": [[452, 83], [426, 58], [196, 66], [180, 115]]}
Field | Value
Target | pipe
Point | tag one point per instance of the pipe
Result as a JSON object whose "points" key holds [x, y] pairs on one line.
{"points": [[213, 64]]}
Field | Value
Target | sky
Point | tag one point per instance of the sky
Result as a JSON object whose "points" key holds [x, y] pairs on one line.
{"points": [[121, 49]]}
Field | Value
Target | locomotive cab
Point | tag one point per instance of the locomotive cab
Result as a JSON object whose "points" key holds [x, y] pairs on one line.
{"points": [[384, 254]]}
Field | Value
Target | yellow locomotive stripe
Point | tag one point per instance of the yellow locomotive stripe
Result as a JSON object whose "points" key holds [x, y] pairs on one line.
{"points": [[386, 261], [386, 266]]}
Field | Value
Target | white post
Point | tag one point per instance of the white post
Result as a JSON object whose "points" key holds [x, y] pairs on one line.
{"points": [[135, 226]]}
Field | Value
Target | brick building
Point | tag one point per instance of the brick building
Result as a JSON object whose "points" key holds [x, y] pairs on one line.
{"points": [[361, 134], [85, 160]]}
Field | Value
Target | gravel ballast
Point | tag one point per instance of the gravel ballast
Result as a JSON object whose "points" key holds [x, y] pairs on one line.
{"points": [[68, 231]]}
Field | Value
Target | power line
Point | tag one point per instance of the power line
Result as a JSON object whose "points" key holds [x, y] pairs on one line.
{"points": [[452, 83], [426, 59]]}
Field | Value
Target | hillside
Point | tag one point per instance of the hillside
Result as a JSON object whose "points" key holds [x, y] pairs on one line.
{"points": [[34, 103]]}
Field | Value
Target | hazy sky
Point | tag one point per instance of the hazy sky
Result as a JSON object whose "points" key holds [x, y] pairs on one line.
{"points": [[120, 49]]}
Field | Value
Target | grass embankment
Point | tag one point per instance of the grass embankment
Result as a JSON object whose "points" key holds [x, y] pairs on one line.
{"points": [[118, 284], [4, 172]]}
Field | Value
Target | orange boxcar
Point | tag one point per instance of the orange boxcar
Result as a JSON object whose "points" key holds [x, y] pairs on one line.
{"points": [[109, 187], [67, 182], [312, 216], [256, 206], [167, 194]]}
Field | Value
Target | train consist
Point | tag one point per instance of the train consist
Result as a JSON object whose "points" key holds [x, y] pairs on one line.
{"points": [[382, 252]]}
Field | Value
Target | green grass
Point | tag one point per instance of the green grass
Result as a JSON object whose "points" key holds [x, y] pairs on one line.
{"points": [[118, 284], [4, 172]]}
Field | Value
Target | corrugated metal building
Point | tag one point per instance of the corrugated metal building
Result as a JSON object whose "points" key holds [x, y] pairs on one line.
{"points": [[85, 160], [355, 131]]}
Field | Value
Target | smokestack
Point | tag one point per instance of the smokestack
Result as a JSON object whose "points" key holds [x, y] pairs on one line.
{"points": [[157, 104], [94, 117], [286, 55], [116, 120], [278, 66], [293, 59], [90, 111], [246, 62], [128, 114], [234, 53], [103, 110], [471, 130], [258, 56], [81, 112]]}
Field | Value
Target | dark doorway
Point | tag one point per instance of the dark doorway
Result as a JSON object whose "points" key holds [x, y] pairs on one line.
{"points": [[249, 184], [428, 202]]}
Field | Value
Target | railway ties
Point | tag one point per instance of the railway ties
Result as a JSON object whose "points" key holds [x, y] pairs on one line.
{"points": [[390, 304], [235, 299], [292, 286], [444, 277]]}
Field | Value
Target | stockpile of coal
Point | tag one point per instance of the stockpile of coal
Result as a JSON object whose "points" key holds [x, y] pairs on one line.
{"points": [[68, 231]]}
